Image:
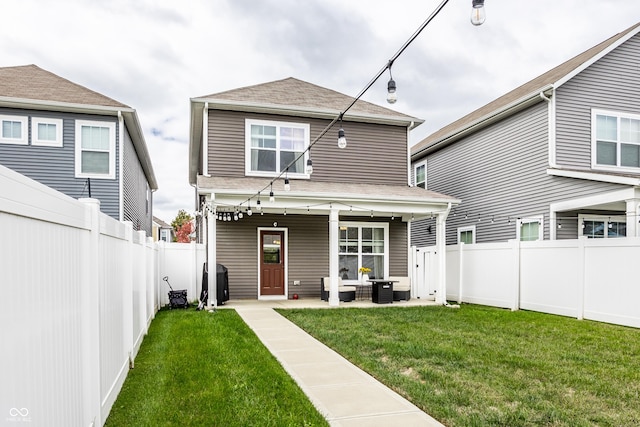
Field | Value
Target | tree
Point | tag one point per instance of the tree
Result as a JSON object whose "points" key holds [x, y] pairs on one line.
{"points": [[183, 226]]}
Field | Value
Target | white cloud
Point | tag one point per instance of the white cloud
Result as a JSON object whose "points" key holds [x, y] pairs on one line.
{"points": [[155, 55]]}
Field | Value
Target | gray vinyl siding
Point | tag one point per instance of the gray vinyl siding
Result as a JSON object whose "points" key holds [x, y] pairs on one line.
{"points": [[375, 153], [55, 166], [612, 84], [421, 235], [136, 207], [308, 252], [500, 175]]}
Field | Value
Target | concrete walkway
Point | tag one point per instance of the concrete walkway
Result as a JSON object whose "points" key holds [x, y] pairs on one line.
{"points": [[343, 393]]}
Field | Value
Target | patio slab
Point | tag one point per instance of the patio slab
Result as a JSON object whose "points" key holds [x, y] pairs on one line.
{"points": [[346, 395]]}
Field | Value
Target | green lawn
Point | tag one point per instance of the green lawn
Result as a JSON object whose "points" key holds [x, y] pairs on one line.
{"points": [[481, 366], [203, 369]]}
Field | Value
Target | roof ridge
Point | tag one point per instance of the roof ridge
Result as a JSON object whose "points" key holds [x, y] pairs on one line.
{"points": [[551, 76]]}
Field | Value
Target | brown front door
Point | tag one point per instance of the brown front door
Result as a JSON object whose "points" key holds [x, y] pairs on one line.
{"points": [[271, 262]]}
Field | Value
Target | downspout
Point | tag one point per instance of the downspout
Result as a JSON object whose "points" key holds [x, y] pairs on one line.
{"points": [[409, 171], [551, 144], [120, 163], [205, 140]]}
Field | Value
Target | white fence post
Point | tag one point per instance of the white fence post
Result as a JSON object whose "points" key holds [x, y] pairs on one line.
{"points": [[127, 291], [581, 277], [461, 270], [91, 316], [516, 274]]}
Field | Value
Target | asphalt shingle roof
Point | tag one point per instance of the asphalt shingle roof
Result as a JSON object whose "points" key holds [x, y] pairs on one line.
{"points": [[32, 82]]}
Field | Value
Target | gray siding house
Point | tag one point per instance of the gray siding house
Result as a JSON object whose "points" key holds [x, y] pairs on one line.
{"points": [[76, 141], [354, 209], [556, 158]]}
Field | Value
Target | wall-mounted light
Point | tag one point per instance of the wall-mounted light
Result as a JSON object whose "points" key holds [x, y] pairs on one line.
{"points": [[478, 14]]}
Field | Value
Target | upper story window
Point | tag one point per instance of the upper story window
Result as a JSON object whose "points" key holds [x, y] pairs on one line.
{"points": [[46, 132], [272, 146], [95, 149], [14, 130], [615, 140], [420, 178]]}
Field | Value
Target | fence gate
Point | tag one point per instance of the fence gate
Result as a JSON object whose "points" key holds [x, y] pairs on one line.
{"points": [[425, 272]]}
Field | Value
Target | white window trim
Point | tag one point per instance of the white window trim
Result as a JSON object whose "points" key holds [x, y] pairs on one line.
{"points": [[471, 228], [24, 140], [538, 219], [604, 218], [594, 148], [415, 173], [247, 148], [112, 149], [35, 121], [360, 225]]}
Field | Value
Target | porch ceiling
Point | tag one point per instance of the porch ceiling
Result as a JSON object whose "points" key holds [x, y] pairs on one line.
{"points": [[307, 196]]}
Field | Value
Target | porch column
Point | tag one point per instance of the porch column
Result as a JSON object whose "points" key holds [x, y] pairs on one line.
{"points": [[334, 235], [441, 248], [211, 254], [633, 228]]}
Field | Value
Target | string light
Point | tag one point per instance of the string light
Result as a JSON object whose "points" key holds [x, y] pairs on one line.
{"points": [[342, 140], [391, 87], [478, 14], [287, 186], [392, 97], [271, 196]]}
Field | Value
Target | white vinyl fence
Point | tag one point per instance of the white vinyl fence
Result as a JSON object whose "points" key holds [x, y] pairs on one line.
{"points": [[79, 292], [593, 279]]}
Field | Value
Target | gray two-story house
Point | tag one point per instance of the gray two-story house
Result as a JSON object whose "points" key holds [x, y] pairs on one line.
{"points": [[278, 225], [76, 141], [556, 158]]}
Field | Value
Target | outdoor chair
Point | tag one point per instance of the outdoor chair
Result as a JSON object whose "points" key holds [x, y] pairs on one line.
{"points": [[345, 293], [401, 288]]}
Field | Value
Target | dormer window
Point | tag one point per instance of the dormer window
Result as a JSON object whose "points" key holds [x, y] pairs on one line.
{"points": [[272, 146]]}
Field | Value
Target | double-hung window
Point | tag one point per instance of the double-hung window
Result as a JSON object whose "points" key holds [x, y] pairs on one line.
{"points": [[615, 140], [364, 245], [273, 147], [46, 132], [13, 130], [420, 178], [95, 149]]}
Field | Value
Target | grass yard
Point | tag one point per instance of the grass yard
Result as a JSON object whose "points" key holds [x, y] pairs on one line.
{"points": [[481, 366], [203, 369]]}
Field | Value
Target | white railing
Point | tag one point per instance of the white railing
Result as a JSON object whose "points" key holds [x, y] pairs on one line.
{"points": [[79, 292], [593, 279]]}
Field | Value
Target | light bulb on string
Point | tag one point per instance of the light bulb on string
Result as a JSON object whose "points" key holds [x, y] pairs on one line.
{"points": [[478, 14], [342, 140], [287, 186], [271, 196]]}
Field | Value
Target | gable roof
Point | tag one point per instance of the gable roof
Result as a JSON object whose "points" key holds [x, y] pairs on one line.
{"points": [[521, 97], [289, 97], [32, 82], [31, 87]]}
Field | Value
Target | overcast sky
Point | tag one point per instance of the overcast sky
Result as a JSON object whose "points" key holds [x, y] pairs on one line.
{"points": [[156, 55]]}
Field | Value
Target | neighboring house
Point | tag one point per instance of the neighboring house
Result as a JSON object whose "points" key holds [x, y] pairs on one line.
{"points": [[76, 141], [556, 158], [354, 209], [162, 231]]}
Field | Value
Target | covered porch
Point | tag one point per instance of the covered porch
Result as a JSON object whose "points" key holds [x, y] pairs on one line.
{"points": [[306, 231]]}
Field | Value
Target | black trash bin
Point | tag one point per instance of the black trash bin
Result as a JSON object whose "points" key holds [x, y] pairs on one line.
{"points": [[222, 285]]}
